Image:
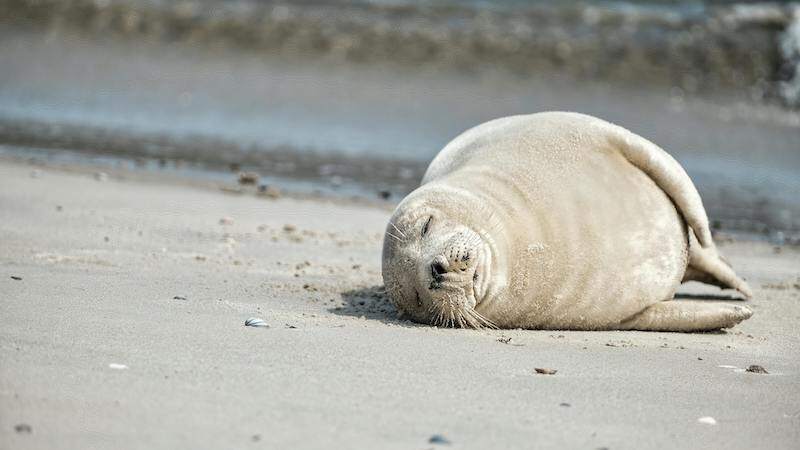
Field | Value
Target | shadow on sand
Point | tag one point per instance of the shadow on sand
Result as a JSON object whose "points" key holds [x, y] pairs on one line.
{"points": [[716, 297], [370, 302]]}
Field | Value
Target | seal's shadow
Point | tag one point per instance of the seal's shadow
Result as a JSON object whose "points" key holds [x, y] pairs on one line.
{"points": [[717, 297], [370, 302]]}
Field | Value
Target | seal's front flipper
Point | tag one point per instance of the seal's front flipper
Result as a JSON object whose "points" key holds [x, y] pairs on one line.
{"points": [[706, 266], [687, 316]]}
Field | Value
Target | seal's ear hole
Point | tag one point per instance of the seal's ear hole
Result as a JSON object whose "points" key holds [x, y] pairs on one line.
{"points": [[427, 226]]}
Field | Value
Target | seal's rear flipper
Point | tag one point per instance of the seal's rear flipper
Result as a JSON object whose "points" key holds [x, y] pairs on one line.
{"points": [[687, 316], [707, 266]]}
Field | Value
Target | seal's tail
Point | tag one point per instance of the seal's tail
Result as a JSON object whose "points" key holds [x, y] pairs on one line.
{"points": [[707, 266]]}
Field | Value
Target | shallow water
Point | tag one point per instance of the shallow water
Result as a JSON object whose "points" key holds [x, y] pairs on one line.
{"points": [[219, 106]]}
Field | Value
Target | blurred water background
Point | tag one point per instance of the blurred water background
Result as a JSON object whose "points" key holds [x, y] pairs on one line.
{"points": [[356, 97]]}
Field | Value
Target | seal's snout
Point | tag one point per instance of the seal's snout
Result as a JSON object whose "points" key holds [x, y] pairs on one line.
{"points": [[439, 267], [454, 264]]}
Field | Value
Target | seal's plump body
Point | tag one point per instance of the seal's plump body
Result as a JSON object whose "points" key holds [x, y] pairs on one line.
{"points": [[555, 221]]}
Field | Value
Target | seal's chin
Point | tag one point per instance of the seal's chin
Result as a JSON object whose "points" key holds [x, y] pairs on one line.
{"points": [[455, 307]]}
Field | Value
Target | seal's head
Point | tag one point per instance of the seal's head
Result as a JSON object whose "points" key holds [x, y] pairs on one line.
{"points": [[435, 267]]}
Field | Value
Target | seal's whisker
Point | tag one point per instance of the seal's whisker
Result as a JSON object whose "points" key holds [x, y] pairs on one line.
{"points": [[471, 320], [488, 323], [395, 237], [397, 229]]}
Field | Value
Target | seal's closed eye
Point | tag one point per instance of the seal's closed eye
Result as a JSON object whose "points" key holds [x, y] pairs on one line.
{"points": [[426, 226]]}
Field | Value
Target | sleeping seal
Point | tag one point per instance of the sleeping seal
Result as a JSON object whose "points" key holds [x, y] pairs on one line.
{"points": [[555, 221]]}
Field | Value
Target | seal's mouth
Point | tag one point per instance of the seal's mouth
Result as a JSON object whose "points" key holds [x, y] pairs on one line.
{"points": [[456, 281]]}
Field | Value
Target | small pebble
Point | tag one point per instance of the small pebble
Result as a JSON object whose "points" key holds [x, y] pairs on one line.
{"points": [[23, 428], [384, 194], [226, 221], [116, 366], [269, 191], [255, 322], [545, 371], [14, 277], [707, 420], [438, 439], [101, 176], [754, 368], [179, 297], [566, 405], [248, 178]]}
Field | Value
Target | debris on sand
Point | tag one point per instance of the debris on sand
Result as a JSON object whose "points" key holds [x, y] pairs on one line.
{"points": [[248, 178], [226, 220], [101, 176], [543, 371], [438, 439], [14, 277], [179, 297], [754, 368], [23, 428], [507, 341], [289, 228], [620, 343], [255, 322], [384, 194], [231, 190], [269, 191], [707, 420], [116, 366]]}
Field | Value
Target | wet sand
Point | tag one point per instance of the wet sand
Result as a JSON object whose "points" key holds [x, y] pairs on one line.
{"points": [[121, 326], [375, 125]]}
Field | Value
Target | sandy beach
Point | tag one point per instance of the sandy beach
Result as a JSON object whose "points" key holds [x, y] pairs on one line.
{"points": [[122, 326]]}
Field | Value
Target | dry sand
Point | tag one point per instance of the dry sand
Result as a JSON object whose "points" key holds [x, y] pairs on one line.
{"points": [[125, 330]]}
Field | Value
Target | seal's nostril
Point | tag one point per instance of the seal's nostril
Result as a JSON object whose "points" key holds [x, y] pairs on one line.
{"points": [[437, 268]]}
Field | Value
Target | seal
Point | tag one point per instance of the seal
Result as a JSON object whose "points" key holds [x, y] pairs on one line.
{"points": [[555, 220]]}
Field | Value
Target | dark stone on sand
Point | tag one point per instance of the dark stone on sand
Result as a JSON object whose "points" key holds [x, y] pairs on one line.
{"points": [[248, 178], [268, 191], [179, 297], [23, 428], [384, 194], [543, 371], [14, 277], [754, 368], [438, 439]]}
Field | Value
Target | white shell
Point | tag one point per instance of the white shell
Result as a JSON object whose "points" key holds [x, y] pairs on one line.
{"points": [[255, 322], [708, 420]]}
